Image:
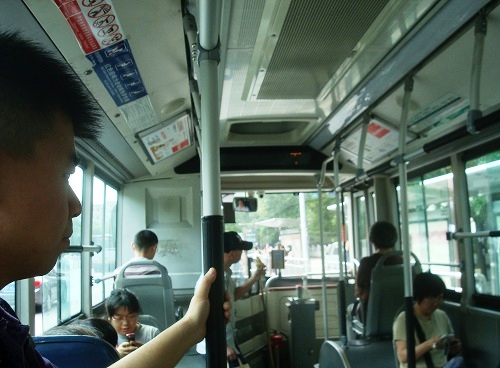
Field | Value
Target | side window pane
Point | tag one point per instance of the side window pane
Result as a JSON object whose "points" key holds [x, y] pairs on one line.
{"points": [[104, 234], [362, 223], [430, 200], [417, 220], [483, 181], [8, 293], [97, 237], [71, 282], [58, 293], [109, 249]]}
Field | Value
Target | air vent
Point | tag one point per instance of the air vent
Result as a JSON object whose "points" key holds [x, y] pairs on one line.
{"points": [[270, 131], [291, 43]]}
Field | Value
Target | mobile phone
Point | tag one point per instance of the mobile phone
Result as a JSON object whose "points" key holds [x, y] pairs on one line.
{"points": [[447, 336], [130, 336]]}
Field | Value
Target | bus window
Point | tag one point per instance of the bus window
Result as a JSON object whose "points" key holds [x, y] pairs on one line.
{"points": [[8, 293], [105, 199], [484, 202], [363, 247], [58, 293], [430, 200]]}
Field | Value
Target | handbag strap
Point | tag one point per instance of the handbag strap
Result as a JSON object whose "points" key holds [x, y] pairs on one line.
{"points": [[421, 337]]}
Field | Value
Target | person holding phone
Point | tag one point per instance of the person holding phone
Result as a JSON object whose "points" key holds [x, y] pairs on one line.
{"points": [[435, 344], [123, 310]]}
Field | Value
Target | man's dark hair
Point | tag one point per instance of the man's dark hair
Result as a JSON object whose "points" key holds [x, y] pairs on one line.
{"points": [[122, 298], [427, 285], [145, 239], [383, 235], [34, 86]]}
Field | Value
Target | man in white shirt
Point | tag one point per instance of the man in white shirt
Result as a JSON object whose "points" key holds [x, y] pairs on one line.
{"points": [[145, 245]]}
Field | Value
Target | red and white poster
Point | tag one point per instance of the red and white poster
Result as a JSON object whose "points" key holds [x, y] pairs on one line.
{"points": [[93, 22]]}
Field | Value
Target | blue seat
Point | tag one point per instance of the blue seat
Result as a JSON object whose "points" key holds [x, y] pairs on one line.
{"points": [[76, 351]]}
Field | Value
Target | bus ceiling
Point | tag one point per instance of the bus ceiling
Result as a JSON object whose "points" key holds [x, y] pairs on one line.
{"points": [[281, 83]]}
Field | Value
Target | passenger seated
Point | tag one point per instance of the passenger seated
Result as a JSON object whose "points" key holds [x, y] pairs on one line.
{"points": [[123, 309], [104, 327], [145, 245], [73, 329], [383, 236], [431, 348]]}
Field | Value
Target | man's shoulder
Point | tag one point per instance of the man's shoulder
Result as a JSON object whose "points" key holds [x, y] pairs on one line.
{"points": [[369, 261], [144, 266], [149, 327], [15, 343], [147, 332]]}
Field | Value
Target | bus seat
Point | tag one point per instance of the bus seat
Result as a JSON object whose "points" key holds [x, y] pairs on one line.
{"points": [[331, 355], [386, 296], [154, 291], [76, 351], [375, 353], [150, 320]]}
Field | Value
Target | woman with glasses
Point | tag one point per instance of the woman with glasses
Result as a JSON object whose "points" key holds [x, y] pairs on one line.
{"points": [[435, 343], [123, 310]]}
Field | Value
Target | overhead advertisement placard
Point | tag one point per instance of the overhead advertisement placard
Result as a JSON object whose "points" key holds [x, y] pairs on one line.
{"points": [[381, 140], [166, 139], [93, 22], [117, 70], [101, 38]]}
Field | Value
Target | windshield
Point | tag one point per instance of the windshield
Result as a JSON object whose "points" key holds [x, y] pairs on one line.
{"points": [[285, 232]]}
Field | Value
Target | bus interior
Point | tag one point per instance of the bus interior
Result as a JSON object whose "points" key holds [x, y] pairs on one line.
{"points": [[322, 117]]}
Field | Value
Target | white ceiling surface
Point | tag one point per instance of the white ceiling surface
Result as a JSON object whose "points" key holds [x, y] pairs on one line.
{"points": [[250, 32], [254, 30], [154, 30]]}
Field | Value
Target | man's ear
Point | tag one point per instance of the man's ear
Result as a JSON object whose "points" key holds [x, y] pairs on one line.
{"points": [[133, 246]]}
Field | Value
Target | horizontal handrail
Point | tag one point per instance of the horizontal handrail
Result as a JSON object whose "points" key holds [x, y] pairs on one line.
{"points": [[83, 248]]}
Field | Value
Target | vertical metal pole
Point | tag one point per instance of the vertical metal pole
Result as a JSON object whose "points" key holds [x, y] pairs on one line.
{"points": [[212, 221], [475, 79], [322, 242], [304, 235], [341, 285], [408, 281], [88, 175]]}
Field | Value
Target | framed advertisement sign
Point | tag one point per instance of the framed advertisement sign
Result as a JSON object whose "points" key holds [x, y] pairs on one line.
{"points": [[165, 139]]}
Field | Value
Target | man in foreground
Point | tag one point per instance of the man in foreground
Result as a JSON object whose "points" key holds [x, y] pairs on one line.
{"points": [[43, 106]]}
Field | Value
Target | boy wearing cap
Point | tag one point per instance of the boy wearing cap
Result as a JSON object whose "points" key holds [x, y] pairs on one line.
{"points": [[233, 248]]}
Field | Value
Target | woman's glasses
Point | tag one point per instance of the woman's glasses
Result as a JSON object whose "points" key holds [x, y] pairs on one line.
{"points": [[128, 318]]}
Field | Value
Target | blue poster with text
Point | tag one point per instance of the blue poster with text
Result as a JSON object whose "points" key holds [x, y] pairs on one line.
{"points": [[117, 70]]}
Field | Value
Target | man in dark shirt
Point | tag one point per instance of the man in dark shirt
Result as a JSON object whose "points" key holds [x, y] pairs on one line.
{"points": [[383, 236]]}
